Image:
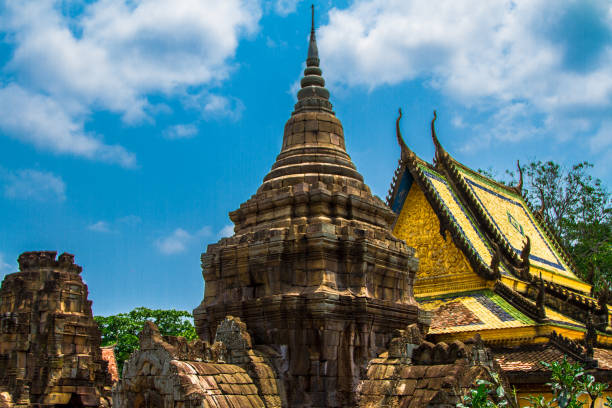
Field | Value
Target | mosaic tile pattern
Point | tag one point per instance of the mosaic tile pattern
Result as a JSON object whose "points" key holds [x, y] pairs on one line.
{"points": [[496, 309], [482, 310], [492, 311], [459, 215], [512, 218]]}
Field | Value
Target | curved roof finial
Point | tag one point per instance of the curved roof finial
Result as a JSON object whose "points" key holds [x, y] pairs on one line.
{"points": [[495, 261], [519, 187], [433, 129], [526, 250], [439, 149], [406, 152], [542, 211]]}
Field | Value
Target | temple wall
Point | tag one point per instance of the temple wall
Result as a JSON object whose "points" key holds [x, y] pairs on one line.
{"points": [[442, 266]]}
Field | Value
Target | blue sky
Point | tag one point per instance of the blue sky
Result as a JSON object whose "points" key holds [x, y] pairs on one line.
{"points": [[129, 129]]}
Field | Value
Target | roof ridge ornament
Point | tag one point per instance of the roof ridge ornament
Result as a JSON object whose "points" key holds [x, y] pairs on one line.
{"points": [[541, 298], [495, 261], [524, 264], [519, 187], [440, 152], [542, 211], [407, 154]]}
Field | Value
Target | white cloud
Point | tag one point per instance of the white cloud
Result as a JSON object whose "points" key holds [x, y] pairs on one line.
{"points": [[226, 231], [115, 226], [35, 185], [130, 220], [179, 240], [111, 57], [47, 124], [181, 131], [285, 7], [6, 267], [221, 106], [603, 138], [205, 231], [516, 57], [601, 143], [174, 243], [100, 226]]}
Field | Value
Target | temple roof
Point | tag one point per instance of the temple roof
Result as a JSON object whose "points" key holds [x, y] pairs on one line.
{"points": [[482, 311], [523, 284], [170, 369], [486, 219], [425, 374]]}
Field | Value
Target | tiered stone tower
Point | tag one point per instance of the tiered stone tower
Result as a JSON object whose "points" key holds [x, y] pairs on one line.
{"points": [[49, 343], [312, 269]]}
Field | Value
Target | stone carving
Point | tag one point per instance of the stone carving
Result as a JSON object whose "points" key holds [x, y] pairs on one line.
{"points": [[427, 375], [590, 337], [318, 286], [49, 343], [575, 350], [603, 297], [169, 372], [541, 298]]}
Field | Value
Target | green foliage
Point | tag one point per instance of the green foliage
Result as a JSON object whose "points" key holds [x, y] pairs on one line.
{"points": [[594, 389], [122, 330], [577, 208], [568, 382], [538, 401], [486, 395]]}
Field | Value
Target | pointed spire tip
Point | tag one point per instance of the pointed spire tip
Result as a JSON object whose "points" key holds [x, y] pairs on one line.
{"points": [[313, 95], [312, 29]]}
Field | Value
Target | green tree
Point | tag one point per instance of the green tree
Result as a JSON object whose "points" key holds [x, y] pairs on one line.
{"points": [[568, 382], [484, 396], [122, 330], [577, 209]]}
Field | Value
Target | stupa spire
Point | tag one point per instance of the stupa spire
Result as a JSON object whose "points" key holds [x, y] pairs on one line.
{"points": [[313, 96], [313, 52]]}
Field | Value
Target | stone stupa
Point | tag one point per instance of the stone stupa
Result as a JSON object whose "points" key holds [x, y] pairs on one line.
{"points": [[312, 268]]}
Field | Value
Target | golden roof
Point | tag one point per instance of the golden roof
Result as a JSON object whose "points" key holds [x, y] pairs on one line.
{"points": [[488, 262]]}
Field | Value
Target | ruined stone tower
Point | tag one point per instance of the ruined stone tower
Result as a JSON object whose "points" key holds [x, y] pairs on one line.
{"points": [[312, 269], [49, 343]]}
